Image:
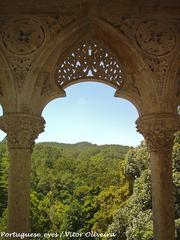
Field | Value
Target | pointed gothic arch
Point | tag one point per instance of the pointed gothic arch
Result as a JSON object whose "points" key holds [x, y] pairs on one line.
{"points": [[146, 44], [123, 55]]}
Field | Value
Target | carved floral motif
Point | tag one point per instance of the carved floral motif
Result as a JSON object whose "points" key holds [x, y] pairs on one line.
{"points": [[89, 61], [155, 38], [23, 36], [158, 130], [21, 129]]}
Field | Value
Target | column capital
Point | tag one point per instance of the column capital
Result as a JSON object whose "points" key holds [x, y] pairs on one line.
{"points": [[158, 130], [22, 129]]}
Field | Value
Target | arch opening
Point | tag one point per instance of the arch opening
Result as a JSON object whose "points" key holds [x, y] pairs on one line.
{"points": [[91, 98], [90, 108]]}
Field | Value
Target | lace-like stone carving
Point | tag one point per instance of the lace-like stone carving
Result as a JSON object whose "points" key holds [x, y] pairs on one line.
{"points": [[21, 129], [158, 130], [155, 38], [92, 62], [23, 36]]}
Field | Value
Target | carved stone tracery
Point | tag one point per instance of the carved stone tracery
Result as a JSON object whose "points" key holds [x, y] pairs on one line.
{"points": [[158, 130], [21, 129], [89, 61]]}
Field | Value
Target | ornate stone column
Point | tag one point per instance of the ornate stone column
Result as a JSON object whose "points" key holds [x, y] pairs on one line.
{"points": [[158, 131], [21, 131]]}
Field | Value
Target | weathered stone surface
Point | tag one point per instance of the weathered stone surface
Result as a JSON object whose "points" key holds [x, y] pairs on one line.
{"points": [[158, 130], [21, 130], [134, 47]]}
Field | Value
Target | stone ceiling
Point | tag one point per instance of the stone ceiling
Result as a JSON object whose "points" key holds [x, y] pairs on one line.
{"points": [[54, 7]]}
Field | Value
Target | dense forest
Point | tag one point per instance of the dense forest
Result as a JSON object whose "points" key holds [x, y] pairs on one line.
{"points": [[84, 187]]}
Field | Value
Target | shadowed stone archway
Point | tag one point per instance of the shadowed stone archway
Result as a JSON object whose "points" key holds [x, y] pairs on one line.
{"points": [[132, 48]]}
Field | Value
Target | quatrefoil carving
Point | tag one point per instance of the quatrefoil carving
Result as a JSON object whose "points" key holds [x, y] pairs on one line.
{"points": [[89, 61]]}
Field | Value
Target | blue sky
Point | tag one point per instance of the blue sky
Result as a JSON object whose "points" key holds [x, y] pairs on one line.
{"points": [[90, 112]]}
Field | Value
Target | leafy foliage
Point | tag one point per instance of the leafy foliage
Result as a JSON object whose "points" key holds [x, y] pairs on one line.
{"points": [[134, 220], [84, 187], [3, 177]]}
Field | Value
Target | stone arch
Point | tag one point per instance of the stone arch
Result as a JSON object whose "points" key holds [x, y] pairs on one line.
{"points": [[133, 67], [172, 86], [171, 90], [8, 90]]}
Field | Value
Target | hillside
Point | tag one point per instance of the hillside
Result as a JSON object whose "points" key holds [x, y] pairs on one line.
{"points": [[84, 187]]}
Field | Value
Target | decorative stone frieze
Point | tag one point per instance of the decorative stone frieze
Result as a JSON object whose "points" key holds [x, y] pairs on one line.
{"points": [[158, 130], [89, 60], [21, 129]]}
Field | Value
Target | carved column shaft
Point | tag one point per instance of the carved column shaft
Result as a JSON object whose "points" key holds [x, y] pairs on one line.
{"points": [[158, 131], [21, 131]]}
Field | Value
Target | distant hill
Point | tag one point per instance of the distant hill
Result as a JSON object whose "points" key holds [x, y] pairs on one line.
{"points": [[86, 187]]}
